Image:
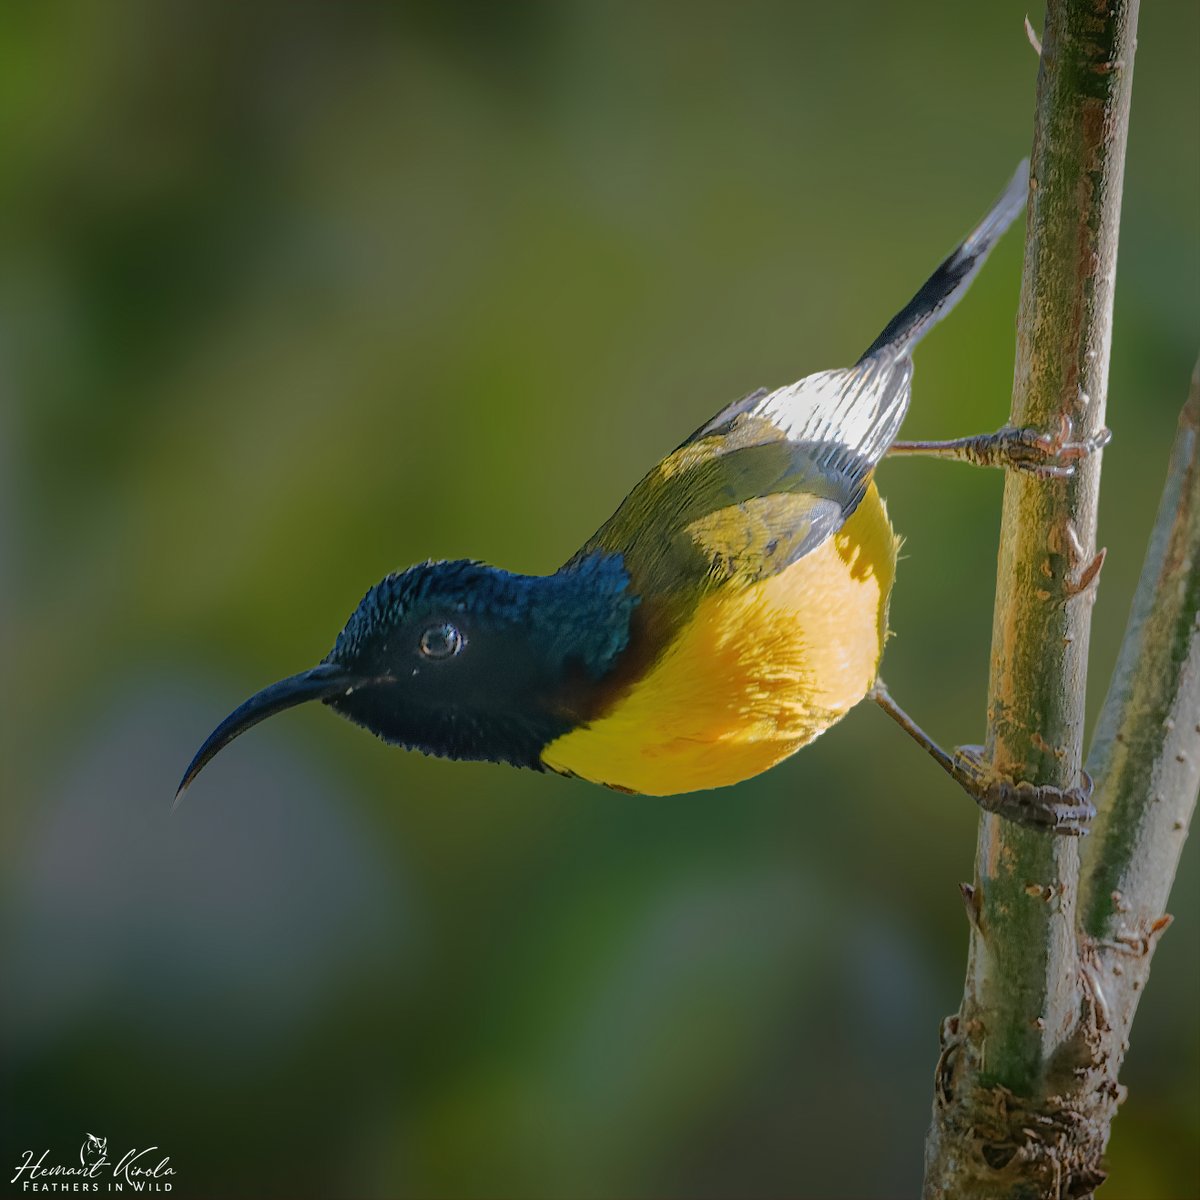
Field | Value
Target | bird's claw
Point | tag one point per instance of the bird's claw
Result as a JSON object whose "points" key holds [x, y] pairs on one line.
{"points": [[1044, 455], [1038, 806]]}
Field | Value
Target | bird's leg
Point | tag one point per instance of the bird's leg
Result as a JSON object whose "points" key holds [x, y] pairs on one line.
{"points": [[1047, 455], [1040, 807]]}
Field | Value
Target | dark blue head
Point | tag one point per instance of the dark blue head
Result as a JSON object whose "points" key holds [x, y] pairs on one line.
{"points": [[464, 661]]}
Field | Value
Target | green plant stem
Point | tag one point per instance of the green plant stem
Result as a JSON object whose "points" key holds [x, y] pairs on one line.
{"points": [[1023, 974], [1009, 1054], [1146, 749]]}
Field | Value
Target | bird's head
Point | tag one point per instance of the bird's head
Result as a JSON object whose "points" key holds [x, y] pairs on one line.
{"points": [[463, 660]]}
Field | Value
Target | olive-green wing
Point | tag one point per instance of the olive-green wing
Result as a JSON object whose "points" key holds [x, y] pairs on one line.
{"points": [[766, 481]]}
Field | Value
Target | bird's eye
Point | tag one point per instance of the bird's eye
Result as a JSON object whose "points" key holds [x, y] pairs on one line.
{"points": [[441, 641]]}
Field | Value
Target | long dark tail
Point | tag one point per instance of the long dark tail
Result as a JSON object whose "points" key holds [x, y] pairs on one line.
{"points": [[943, 289]]}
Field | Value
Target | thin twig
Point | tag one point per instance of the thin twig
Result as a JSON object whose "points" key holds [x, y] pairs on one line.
{"points": [[1146, 749]]}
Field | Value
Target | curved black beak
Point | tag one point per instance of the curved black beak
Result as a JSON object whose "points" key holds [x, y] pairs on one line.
{"points": [[320, 683]]}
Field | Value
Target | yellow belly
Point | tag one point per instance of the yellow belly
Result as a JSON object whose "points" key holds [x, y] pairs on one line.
{"points": [[759, 671]]}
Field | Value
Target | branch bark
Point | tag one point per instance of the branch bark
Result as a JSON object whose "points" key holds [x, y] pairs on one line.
{"points": [[1146, 749], [1026, 1085], [989, 1139]]}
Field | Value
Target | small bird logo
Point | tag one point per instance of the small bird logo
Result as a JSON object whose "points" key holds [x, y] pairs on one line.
{"points": [[93, 1148], [732, 609]]}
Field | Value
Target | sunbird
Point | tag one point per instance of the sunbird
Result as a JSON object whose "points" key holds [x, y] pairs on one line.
{"points": [[733, 608]]}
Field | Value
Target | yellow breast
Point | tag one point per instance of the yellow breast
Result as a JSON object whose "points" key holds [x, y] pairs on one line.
{"points": [[759, 671]]}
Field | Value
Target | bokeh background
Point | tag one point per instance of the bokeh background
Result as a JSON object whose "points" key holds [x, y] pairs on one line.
{"points": [[293, 295]]}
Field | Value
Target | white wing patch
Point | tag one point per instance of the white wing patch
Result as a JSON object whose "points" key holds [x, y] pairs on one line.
{"points": [[849, 417]]}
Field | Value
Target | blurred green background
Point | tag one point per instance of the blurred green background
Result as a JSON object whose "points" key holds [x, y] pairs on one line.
{"points": [[296, 294]]}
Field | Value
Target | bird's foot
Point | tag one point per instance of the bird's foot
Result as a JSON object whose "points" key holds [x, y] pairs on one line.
{"points": [[1045, 455], [1039, 806], [1043, 807]]}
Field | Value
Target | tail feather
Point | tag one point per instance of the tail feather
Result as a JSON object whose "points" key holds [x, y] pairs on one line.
{"points": [[841, 423], [945, 287]]}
